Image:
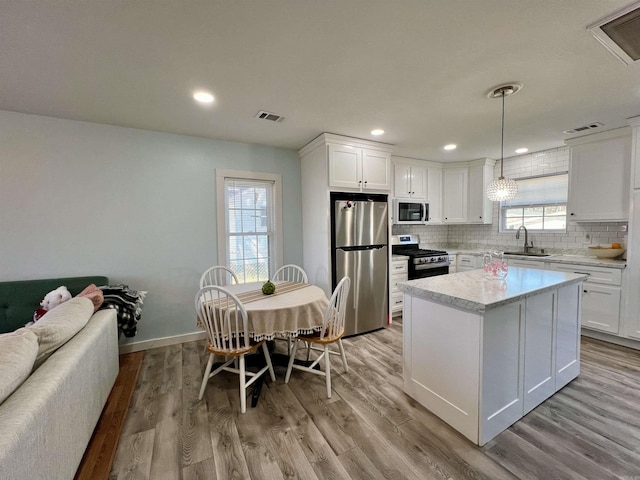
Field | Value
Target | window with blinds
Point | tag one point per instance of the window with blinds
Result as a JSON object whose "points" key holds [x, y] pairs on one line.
{"points": [[249, 227], [540, 205]]}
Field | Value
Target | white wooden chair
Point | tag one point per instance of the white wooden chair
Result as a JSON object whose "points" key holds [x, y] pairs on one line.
{"points": [[291, 273], [218, 275], [225, 320], [332, 331]]}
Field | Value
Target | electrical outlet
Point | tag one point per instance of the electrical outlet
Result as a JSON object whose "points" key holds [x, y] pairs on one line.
{"points": [[587, 237]]}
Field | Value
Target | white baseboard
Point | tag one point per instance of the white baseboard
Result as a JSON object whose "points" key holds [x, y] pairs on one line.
{"points": [[161, 342], [625, 342]]}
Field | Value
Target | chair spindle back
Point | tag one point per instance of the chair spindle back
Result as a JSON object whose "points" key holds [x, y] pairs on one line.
{"points": [[224, 319], [218, 275], [333, 324], [291, 273]]}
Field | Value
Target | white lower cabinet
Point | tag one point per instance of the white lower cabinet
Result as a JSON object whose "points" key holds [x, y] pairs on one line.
{"points": [[600, 296], [468, 262], [514, 262], [453, 263], [493, 366], [539, 335], [601, 307], [399, 273]]}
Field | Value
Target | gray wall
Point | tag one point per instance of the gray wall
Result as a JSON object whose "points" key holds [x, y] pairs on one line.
{"points": [[79, 198]]}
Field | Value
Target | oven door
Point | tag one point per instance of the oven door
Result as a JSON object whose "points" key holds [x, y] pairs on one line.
{"points": [[409, 212], [428, 270]]}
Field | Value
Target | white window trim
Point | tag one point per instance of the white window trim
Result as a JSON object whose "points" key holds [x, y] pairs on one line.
{"points": [[278, 247]]}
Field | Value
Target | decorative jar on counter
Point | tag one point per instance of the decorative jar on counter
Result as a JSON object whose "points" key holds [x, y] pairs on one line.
{"points": [[495, 265]]}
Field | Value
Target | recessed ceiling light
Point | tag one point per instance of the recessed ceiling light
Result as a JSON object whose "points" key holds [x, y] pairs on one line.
{"points": [[522, 150], [451, 146], [203, 97], [377, 131]]}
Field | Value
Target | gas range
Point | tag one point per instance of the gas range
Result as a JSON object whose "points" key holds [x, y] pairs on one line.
{"points": [[423, 262]]}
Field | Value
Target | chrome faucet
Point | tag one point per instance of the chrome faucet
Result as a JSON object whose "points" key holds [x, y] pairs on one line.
{"points": [[526, 238]]}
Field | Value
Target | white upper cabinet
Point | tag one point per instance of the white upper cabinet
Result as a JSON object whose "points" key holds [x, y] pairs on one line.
{"points": [[480, 207], [455, 193], [409, 181], [345, 166], [455, 186], [434, 195], [355, 168], [376, 168], [599, 173]]}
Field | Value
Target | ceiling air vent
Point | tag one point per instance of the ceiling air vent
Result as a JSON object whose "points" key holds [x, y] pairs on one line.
{"points": [[273, 117], [583, 128], [620, 33]]}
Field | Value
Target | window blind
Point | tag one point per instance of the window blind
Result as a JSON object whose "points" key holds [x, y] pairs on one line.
{"points": [[545, 190]]}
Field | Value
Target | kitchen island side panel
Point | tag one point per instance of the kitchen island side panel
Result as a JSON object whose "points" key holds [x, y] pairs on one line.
{"points": [[442, 361], [502, 372], [567, 362], [539, 347]]}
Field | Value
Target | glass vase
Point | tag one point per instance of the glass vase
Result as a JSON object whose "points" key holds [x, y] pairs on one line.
{"points": [[495, 265]]}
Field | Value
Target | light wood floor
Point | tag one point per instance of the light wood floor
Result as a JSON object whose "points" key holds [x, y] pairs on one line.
{"points": [[370, 429]]}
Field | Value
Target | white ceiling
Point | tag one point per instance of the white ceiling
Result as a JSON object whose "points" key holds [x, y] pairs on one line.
{"points": [[419, 69]]}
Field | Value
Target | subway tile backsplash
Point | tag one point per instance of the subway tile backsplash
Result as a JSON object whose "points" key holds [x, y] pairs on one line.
{"points": [[574, 241]]}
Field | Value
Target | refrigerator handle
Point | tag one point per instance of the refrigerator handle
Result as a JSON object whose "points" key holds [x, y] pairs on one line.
{"points": [[357, 294]]}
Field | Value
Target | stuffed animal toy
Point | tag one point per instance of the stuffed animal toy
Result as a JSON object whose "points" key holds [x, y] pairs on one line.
{"points": [[52, 300]]}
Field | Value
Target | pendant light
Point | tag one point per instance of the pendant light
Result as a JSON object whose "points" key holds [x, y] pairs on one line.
{"points": [[502, 188]]}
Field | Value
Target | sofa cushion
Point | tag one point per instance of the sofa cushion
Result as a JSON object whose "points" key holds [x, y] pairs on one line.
{"points": [[18, 352], [59, 325], [19, 299]]}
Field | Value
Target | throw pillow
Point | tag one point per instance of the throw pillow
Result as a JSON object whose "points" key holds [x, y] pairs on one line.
{"points": [[59, 325], [18, 352], [94, 294]]}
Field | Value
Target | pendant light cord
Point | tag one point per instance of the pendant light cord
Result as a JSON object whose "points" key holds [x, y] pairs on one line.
{"points": [[502, 140]]}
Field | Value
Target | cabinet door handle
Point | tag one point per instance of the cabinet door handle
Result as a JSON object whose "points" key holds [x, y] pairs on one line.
{"points": [[572, 214], [583, 273], [586, 291], [359, 182]]}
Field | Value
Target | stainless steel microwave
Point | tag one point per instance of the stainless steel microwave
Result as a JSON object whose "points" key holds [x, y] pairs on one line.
{"points": [[410, 212]]}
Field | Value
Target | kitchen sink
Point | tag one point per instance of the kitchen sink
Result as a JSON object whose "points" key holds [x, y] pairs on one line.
{"points": [[527, 254]]}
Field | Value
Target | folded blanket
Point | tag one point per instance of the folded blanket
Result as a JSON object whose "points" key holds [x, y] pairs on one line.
{"points": [[128, 305]]}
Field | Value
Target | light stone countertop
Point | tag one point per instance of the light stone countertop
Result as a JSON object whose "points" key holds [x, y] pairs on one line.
{"points": [[554, 257], [470, 290]]}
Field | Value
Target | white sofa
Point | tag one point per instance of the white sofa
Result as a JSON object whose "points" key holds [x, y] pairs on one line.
{"points": [[46, 424]]}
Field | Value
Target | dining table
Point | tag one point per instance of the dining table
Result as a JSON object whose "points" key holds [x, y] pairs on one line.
{"points": [[293, 309]]}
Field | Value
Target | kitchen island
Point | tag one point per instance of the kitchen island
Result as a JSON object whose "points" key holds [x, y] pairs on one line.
{"points": [[480, 353]]}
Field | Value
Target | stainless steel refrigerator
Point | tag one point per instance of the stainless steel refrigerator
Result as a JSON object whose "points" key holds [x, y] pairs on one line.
{"points": [[360, 251]]}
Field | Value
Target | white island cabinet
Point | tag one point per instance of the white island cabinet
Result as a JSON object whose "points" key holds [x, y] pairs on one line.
{"points": [[481, 353]]}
